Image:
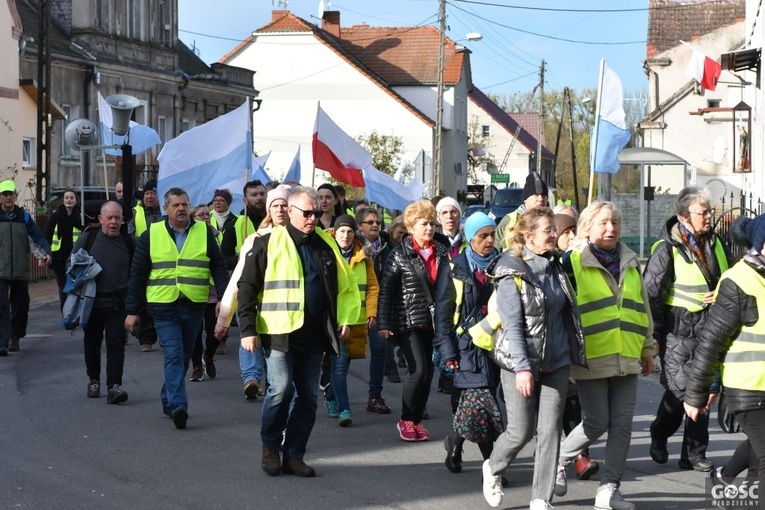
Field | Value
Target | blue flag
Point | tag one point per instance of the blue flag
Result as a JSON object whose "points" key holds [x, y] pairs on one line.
{"points": [[610, 134], [293, 174]]}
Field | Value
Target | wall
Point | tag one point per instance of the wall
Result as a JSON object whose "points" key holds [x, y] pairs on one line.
{"points": [[10, 110], [661, 208]]}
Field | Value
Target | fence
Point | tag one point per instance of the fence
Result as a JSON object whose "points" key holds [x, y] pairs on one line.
{"points": [[38, 273], [731, 209]]}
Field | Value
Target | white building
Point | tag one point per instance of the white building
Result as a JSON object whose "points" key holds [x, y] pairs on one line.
{"points": [[367, 79]]}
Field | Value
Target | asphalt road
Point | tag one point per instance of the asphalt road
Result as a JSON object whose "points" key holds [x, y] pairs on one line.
{"points": [[59, 449]]}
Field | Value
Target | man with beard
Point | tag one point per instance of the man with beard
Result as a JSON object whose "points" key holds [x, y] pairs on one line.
{"points": [[247, 223]]}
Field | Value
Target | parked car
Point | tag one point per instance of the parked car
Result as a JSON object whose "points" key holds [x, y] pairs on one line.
{"points": [[95, 196], [471, 209], [506, 200]]}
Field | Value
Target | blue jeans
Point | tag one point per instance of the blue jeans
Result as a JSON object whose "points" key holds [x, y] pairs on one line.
{"points": [[252, 365], [377, 349], [292, 373], [338, 390], [176, 337]]}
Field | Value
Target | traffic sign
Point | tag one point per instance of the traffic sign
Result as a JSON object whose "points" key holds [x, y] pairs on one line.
{"points": [[500, 178]]}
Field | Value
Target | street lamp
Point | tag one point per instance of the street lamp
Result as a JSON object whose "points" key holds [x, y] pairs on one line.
{"points": [[472, 36]]}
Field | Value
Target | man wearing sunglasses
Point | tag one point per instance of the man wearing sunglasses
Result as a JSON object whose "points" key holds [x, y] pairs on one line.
{"points": [[16, 226], [297, 296]]}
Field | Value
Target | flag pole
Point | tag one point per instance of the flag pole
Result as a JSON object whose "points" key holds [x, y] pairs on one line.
{"points": [[594, 141], [313, 177], [245, 223], [106, 178]]}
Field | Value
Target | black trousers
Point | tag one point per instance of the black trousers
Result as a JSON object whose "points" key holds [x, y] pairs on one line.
{"points": [[417, 347], [670, 416], [60, 281], [14, 309], [111, 323], [147, 333], [753, 424], [211, 343]]}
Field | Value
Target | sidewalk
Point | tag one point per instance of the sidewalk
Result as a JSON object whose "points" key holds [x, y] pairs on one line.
{"points": [[43, 292]]}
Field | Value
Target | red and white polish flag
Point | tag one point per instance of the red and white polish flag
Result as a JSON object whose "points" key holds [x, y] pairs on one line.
{"points": [[703, 69], [337, 153]]}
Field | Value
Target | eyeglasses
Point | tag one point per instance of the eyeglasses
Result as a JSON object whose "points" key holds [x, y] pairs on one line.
{"points": [[450, 212], [202, 216], [550, 230], [308, 214], [701, 213], [372, 222]]}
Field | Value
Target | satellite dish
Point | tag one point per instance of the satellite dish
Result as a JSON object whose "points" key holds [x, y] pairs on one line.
{"points": [[321, 9], [81, 133]]}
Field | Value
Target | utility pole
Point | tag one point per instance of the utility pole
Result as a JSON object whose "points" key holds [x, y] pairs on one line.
{"points": [[437, 162], [42, 177], [567, 93], [541, 130]]}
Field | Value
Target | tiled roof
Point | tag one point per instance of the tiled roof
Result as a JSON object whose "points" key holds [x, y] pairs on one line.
{"points": [[403, 55], [670, 21], [511, 121]]}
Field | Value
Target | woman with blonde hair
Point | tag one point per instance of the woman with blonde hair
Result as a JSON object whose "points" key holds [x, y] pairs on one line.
{"points": [[415, 309], [540, 339], [618, 332]]}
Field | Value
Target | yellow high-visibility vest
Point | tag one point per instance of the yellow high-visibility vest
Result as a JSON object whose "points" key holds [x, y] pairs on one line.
{"points": [[239, 228], [173, 273], [281, 303], [55, 242], [689, 287], [744, 364], [610, 327]]}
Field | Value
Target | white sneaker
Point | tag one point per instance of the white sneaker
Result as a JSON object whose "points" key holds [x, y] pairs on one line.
{"points": [[609, 497], [561, 486], [540, 504], [492, 486]]}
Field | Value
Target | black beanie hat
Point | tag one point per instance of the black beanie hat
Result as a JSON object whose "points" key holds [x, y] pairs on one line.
{"points": [[345, 220], [150, 185], [534, 186]]}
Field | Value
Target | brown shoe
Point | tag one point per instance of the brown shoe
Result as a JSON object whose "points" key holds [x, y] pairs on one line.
{"points": [[297, 467], [271, 463], [251, 389], [146, 348]]}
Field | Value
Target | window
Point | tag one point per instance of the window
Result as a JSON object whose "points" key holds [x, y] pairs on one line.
{"points": [[485, 131], [162, 129], [165, 23], [104, 14], [133, 19], [713, 103], [185, 125], [29, 152], [458, 168]]}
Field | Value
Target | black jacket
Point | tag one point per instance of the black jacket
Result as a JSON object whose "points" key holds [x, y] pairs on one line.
{"points": [[141, 267], [251, 284], [477, 370], [675, 328], [402, 305], [65, 223], [228, 243], [732, 310]]}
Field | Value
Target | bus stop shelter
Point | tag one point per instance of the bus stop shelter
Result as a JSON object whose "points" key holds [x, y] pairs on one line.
{"points": [[647, 157]]}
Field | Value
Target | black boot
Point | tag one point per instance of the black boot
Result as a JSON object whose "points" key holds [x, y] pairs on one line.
{"points": [[453, 445]]}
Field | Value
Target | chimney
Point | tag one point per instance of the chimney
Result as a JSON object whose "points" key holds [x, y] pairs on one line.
{"points": [[330, 22], [277, 15]]}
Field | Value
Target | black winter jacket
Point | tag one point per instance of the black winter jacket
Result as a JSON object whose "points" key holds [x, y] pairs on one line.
{"points": [[477, 370], [675, 328], [403, 305], [732, 310]]}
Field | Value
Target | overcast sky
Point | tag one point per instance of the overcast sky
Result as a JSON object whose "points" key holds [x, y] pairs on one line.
{"points": [[507, 60]]}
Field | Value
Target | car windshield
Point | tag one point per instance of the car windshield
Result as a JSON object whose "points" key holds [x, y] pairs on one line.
{"points": [[508, 197]]}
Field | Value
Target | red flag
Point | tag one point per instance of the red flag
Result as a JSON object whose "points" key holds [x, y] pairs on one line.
{"points": [[338, 153], [705, 70]]}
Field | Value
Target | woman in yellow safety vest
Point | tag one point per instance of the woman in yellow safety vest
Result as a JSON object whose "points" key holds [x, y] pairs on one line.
{"points": [[202, 357], [734, 332], [252, 364], [63, 230], [352, 250], [618, 338]]}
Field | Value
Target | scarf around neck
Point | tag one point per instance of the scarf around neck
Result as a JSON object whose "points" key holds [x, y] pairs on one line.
{"points": [[609, 259], [694, 243], [478, 262], [220, 218]]}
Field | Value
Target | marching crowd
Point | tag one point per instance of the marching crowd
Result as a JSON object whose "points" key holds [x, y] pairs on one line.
{"points": [[538, 327]]}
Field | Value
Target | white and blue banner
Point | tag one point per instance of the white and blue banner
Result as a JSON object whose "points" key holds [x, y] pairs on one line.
{"points": [[258, 172], [217, 154], [293, 174], [611, 134], [386, 191]]}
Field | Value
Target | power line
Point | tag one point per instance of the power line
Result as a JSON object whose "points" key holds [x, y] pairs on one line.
{"points": [[605, 11], [545, 36], [509, 81]]}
